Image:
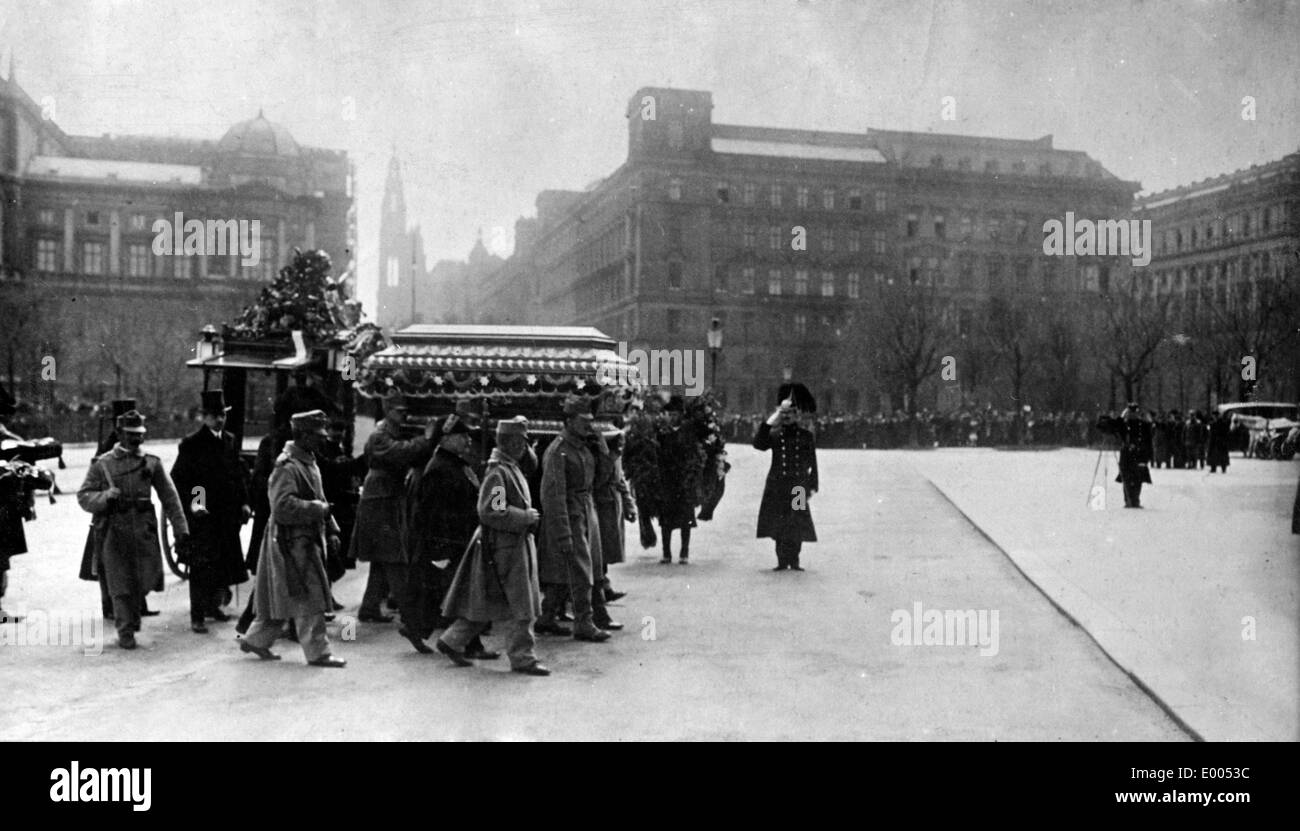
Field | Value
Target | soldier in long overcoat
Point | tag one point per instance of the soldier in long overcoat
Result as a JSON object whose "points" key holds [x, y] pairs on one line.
{"points": [[784, 514], [497, 580], [117, 491], [291, 579], [210, 479], [614, 504], [572, 554], [377, 537], [1134, 434]]}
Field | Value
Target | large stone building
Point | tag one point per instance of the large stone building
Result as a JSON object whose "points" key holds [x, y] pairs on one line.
{"points": [[1227, 253], [80, 280], [784, 235]]}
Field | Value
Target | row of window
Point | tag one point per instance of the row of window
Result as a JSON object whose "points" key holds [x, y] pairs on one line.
{"points": [[800, 282], [95, 219], [991, 226], [1242, 225], [138, 260], [995, 166], [775, 196], [797, 324], [783, 238], [1253, 267]]}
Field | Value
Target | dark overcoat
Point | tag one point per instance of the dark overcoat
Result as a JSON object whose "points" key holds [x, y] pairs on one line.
{"points": [[443, 514], [569, 521], [1216, 449], [1134, 436], [15, 506], [613, 500], [498, 580], [377, 536], [291, 579], [211, 463], [785, 513], [680, 460], [129, 553]]}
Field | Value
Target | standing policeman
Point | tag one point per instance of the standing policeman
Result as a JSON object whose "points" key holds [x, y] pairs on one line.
{"points": [[116, 491], [1134, 434], [784, 515]]}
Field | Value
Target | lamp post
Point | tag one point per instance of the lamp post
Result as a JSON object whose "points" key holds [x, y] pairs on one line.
{"points": [[715, 345]]}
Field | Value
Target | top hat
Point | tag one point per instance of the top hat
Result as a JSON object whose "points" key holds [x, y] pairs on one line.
{"points": [[132, 422], [309, 421], [517, 426], [576, 405], [214, 403], [798, 395]]}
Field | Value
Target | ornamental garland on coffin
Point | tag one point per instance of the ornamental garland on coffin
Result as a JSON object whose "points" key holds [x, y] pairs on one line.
{"points": [[302, 297]]}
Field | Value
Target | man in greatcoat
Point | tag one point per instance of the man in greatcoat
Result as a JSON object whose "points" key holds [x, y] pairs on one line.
{"points": [[569, 525], [497, 581], [377, 537], [784, 514], [117, 491], [1217, 443], [291, 579], [614, 504], [1134, 433], [442, 519], [210, 480]]}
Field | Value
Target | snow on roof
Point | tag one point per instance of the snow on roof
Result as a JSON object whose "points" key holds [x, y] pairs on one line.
{"points": [[797, 150], [65, 167]]}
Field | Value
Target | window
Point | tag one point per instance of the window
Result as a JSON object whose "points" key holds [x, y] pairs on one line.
{"points": [[139, 222], [801, 197], [218, 265], [674, 321], [995, 226], [724, 192], [45, 216], [267, 266], [855, 285], [774, 282], [1022, 276], [674, 275], [828, 239], [47, 253], [749, 193], [774, 238], [748, 236], [1268, 221], [676, 136], [878, 277], [965, 321], [939, 227], [855, 200], [966, 275], [855, 241], [882, 203], [966, 226], [912, 224], [92, 217], [994, 270], [675, 189], [747, 281], [1194, 238], [92, 257], [1245, 224], [914, 270], [828, 199], [720, 278], [801, 324], [183, 267], [137, 260], [801, 282], [828, 284], [878, 243], [774, 196]]}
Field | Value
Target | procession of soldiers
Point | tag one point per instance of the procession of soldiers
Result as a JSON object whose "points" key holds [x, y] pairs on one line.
{"points": [[513, 544]]}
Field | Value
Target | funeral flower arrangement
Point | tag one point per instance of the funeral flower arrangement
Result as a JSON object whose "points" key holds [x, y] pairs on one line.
{"points": [[302, 297]]}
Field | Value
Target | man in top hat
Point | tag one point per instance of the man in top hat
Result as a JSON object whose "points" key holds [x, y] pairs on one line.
{"points": [[1133, 429], [784, 514], [117, 491], [210, 478], [497, 581], [442, 518], [291, 579], [572, 562], [377, 537]]}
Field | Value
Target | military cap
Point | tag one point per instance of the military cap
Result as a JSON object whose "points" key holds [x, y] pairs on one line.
{"points": [[312, 420], [517, 426], [122, 406], [132, 422], [576, 405]]}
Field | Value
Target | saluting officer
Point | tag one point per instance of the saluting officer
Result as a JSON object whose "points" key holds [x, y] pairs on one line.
{"points": [[784, 515], [117, 492]]}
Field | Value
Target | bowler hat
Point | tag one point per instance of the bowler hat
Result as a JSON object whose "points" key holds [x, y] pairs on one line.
{"points": [[132, 422], [214, 402]]}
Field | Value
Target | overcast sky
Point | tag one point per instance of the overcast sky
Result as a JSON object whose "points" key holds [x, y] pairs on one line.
{"points": [[489, 102]]}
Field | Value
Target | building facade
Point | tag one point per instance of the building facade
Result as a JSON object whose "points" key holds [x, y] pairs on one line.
{"points": [[82, 279], [785, 236], [1227, 256]]}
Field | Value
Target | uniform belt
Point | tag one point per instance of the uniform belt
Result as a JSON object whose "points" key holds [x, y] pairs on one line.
{"points": [[142, 507]]}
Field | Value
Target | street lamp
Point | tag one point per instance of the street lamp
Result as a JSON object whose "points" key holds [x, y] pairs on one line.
{"points": [[715, 345]]}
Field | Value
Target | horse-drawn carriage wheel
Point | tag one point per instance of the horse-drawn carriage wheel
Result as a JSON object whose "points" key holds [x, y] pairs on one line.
{"points": [[181, 570]]}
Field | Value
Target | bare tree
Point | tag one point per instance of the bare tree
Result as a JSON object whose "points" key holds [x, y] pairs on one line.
{"points": [[906, 334], [1130, 330]]}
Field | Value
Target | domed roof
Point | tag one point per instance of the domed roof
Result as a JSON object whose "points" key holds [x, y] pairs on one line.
{"points": [[258, 137]]}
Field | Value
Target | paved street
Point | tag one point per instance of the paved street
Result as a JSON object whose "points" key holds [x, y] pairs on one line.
{"points": [[738, 652]]}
